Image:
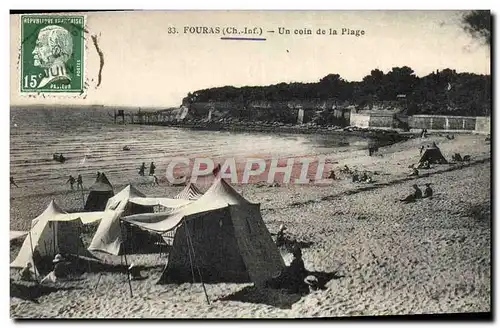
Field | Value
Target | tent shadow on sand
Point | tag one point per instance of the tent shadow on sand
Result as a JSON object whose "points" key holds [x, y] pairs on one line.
{"points": [[32, 291], [279, 298]]}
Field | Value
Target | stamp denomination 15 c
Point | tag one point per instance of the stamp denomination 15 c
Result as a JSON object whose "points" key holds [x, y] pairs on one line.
{"points": [[52, 53]]}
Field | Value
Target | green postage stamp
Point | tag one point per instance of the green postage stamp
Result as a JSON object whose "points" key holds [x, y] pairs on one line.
{"points": [[52, 53]]}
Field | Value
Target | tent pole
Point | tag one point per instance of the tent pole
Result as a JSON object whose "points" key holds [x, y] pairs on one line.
{"points": [[128, 274], [83, 199], [32, 259], [189, 251], [190, 242]]}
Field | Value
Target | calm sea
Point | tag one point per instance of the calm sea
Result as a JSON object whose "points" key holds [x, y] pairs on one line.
{"points": [[91, 142]]}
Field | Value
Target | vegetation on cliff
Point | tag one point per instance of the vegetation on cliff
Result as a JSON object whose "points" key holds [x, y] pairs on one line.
{"points": [[443, 92]]}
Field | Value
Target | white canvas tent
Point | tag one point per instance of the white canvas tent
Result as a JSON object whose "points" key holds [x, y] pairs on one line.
{"points": [[190, 192], [224, 230], [109, 237], [53, 232]]}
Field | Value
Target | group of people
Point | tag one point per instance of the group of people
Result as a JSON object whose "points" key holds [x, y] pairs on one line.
{"points": [[355, 176], [363, 178], [152, 168], [78, 180], [60, 271]]}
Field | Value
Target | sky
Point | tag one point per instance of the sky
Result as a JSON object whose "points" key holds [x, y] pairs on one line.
{"points": [[145, 66]]}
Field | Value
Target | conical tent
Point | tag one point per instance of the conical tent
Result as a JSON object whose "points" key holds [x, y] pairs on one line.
{"points": [[221, 234], [190, 192], [100, 192], [53, 232], [433, 155]]}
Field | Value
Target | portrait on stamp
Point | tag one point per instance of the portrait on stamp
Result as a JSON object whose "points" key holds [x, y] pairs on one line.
{"points": [[52, 56]]}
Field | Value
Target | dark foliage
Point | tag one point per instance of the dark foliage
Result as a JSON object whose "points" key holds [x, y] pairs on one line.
{"points": [[441, 92], [478, 24]]}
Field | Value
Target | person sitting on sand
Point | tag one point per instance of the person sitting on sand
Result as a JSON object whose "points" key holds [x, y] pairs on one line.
{"points": [[71, 181], [134, 272], [12, 182], [312, 283], [424, 165], [428, 190], [355, 177], [345, 169], [280, 236], [364, 177], [60, 271], [457, 157], [296, 271], [412, 197], [25, 274], [332, 175]]}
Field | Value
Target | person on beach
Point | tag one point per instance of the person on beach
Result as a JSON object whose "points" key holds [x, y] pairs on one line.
{"points": [[424, 165], [364, 177], [417, 193], [280, 236], [155, 181], [12, 182], [98, 175], [134, 272], [152, 168], [71, 181], [60, 271], [296, 271], [428, 190], [345, 169], [142, 169], [414, 172], [421, 149], [332, 175], [25, 274], [79, 182], [355, 176]]}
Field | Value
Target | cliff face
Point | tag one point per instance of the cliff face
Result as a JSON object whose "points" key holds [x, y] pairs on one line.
{"points": [[329, 112]]}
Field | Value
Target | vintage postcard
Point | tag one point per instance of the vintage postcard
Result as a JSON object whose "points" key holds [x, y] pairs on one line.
{"points": [[250, 164]]}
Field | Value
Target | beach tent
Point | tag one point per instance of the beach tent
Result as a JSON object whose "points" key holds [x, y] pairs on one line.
{"points": [[54, 232], [110, 237], [100, 192], [14, 234], [190, 192], [221, 234], [433, 155]]}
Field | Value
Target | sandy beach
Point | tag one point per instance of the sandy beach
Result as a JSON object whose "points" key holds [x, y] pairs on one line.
{"points": [[388, 258]]}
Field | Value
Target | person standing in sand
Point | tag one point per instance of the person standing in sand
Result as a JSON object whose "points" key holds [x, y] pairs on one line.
{"points": [[142, 169], [71, 181], [152, 168]]}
